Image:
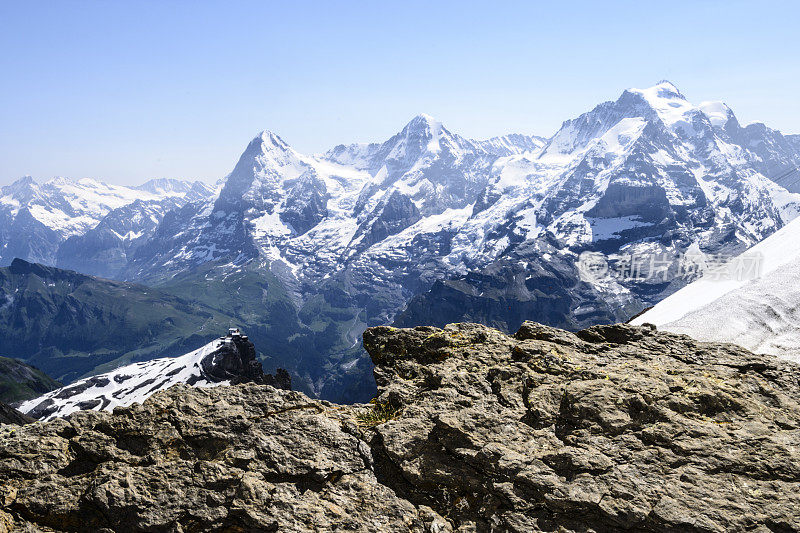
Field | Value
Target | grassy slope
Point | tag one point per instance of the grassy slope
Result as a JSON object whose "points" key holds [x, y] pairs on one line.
{"points": [[19, 382], [69, 325], [312, 343]]}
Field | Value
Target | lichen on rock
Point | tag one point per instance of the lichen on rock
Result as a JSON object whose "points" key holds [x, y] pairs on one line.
{"points": [[613, 428]]}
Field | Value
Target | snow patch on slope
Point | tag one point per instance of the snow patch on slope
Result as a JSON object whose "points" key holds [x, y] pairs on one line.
{"points": [[759, 314], [127, 385], [717, 112]]}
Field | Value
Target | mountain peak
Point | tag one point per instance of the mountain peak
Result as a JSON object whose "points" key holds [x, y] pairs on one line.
{"points": [[269, 141], [667, 85], [663, 90], [424, 117], [668, 103], [267, 157], [22, 189], [60, 181], [165, 186], [423, 121], [424, 126], [24, 181]]}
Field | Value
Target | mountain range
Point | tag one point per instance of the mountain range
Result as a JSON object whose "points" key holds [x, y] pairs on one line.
{"points": [[428, 226], [86, 225]]}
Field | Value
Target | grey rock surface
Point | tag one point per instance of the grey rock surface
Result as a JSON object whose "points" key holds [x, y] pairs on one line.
{"points": [[613, 428], [241, 458]]}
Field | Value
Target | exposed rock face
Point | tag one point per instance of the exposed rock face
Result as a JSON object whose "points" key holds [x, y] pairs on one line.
{"points": [[398, 213], [306, 204], [512, 289], [235, 361], [613, 428], [241, 458], [620, 200]]}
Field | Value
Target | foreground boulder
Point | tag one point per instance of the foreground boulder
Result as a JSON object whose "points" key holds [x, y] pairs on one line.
{"points": [[613, 428]]}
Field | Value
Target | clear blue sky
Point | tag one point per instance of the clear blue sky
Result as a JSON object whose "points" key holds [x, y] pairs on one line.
{"points": [[126, 91]]}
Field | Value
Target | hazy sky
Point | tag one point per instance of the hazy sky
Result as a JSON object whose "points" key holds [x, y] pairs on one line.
{"points": [[127, 91]]}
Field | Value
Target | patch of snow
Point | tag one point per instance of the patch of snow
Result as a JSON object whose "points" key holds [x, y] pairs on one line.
{"points": [[717, 112], [759, 314], [128, 384]]}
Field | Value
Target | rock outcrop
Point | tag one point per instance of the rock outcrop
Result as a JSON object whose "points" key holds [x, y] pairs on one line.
{"points": [[235, 361], [613, 428]]}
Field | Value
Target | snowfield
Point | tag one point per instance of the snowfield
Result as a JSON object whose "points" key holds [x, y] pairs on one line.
{"points": [[126, 385], [762, 315]]}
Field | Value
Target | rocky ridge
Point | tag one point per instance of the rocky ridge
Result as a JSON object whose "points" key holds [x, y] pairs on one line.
{"points": [[613, 428], [229, 360]]}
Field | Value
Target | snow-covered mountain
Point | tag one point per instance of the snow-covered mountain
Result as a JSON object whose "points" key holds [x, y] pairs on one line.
{"points": [[311, 212], [647, 173], [228, 360], [760, 313], [35, 219], [368, 233]]}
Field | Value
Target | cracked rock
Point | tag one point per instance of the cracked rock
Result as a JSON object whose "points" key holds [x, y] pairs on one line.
{"points": [[614, 428]]}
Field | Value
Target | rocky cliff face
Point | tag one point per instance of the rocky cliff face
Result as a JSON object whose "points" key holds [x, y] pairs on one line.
{"points": [[613, 428]]}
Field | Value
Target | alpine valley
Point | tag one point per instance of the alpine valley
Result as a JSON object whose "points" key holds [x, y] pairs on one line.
{"points": [[428, 227]]}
